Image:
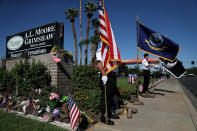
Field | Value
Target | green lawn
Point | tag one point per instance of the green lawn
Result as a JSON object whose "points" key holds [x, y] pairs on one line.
{"points": [[123, 83], [13, 122]]}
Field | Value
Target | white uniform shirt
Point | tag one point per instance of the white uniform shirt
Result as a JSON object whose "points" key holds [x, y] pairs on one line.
{"points": [[145, 65], [99, 56]]}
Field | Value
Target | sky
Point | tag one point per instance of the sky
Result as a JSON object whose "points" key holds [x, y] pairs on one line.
{"points": [[175, 19]]}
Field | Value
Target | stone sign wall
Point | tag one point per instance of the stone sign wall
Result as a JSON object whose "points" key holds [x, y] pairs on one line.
{"points": [[3, 63]]}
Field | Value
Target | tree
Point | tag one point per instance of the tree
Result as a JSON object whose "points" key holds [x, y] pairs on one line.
{"points": [[71, 14], [90, 7], [81, 43], [123, 69], [80, 30], [192, 62], [94, 40]]}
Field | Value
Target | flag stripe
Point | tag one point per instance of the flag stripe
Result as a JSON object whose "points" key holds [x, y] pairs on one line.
{"points": [[102, 27], [73, 109], [104, 37], [74, 112], [76, 118]]}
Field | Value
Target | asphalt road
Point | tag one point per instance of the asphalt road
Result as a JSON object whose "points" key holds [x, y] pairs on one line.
{"points": [[190, 83]]}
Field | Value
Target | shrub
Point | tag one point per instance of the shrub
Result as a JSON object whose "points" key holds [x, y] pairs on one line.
{"points": [[6, 81], [31, 77], [125, 93], [86, 88]]}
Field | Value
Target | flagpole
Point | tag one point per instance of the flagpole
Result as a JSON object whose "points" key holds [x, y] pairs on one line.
{"points": [[106, 110], [137, 39], [103, 5], [137, 92]]}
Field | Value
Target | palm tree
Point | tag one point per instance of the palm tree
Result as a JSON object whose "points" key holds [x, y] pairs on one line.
{"points": [[90, 7], [71, 14], [95, 40], [80, 36], [192, 62], [91, 48], [81, 43]]}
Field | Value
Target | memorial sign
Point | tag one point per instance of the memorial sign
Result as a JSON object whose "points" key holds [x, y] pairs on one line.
{"points": [[35, 41]]}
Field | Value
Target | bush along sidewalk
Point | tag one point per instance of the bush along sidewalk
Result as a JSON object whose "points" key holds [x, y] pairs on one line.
{"points": [[86, 90]]}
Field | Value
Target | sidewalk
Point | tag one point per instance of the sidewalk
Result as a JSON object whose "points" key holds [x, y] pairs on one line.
{"points": [[171, 110]]}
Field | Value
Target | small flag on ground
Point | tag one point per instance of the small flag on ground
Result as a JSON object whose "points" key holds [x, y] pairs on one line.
{"points": [[139, 86], [74, 112], [30, 105], [5, 102], [132, 78], [56, 59]]}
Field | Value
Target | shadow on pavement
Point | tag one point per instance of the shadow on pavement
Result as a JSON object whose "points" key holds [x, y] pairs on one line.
{"points": [[156, 93], [164, 90]]}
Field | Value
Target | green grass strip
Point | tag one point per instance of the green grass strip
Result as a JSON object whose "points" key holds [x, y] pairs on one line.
{"points": [[13, 122]]}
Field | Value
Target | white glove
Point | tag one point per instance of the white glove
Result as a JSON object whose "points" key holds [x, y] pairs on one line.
{"points": [[104, 79]]}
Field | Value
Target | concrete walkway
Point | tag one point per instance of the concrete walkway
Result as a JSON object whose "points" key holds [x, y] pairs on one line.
{"points": [[171, 110]]}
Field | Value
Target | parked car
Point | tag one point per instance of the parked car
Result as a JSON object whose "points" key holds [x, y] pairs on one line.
{"points": [[190, 75]]}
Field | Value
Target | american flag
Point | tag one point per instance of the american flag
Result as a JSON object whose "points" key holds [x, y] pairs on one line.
{"points": [[56, 59], [109, 49], [139, 86], [74, 112], [5, 102], [30, 105]]}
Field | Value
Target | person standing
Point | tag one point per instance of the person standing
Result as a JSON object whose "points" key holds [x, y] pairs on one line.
{"points": [[108, 81], [146, 73]]}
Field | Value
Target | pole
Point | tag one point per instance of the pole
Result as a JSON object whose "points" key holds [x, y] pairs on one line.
{"points": [[137, 39], [106, 111], [137, 92]]}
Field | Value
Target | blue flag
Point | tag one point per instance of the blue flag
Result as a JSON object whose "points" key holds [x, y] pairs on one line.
{"points": [[154, 43]]}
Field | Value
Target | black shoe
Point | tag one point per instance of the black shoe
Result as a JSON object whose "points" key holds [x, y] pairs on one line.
{"points": [[115, 117], [110, 122], [103, 120]]}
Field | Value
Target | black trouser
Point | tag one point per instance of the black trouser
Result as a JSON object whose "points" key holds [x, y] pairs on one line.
{"points": [[146, 74], [111, 83]]}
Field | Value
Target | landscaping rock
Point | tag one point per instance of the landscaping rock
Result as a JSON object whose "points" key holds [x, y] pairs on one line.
{"points": [[47, 117]]}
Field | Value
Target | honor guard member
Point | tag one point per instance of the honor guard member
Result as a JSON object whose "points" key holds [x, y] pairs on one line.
{"points": [[146, 73], [110, 81]]}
